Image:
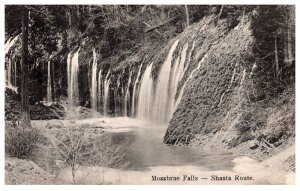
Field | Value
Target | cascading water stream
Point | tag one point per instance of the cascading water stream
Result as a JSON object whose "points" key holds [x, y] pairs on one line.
{"points": [[161, 107], [134, 91], [9, 76], [156, 102], [178, 98], [157, 99], [190, 77], [117, 103], [9, 43], [189, 58], [127, 95], [73, 69], [145, 95], [94, 82], [151, 99], [15, 71], [11, 72], [69, 59], [49, 89], [100, 87], [6, 45], [178, 72], [106, 93]]}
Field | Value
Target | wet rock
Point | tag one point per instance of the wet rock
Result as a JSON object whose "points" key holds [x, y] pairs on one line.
{"points": [[277, 143], [253, 144]]}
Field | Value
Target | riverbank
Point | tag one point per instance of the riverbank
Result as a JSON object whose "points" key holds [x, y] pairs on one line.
{"points": [[145, 156], [46, 162]]}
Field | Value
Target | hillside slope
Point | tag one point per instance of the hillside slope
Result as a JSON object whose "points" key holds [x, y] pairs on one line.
{"points": [[218, 109]]}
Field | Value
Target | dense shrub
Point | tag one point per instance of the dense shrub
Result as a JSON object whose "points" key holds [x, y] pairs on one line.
{"points": [[19, 142]]}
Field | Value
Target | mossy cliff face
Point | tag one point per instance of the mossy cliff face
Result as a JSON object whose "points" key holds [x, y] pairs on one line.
{"points": [[215, 110]]}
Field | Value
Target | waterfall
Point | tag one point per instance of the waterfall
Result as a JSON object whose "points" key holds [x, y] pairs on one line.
{"points": [[155, 104], [189, 57], [15, 71], [100, 87], [156, 100], [127, 94], [94, 82], [254, 66], [69, 59], [145, 95], [243, 77], [6, 46], [72, 70], [161, 106], [11, 68], [228, 87], [121, 103], [134, 89], [116, 100], [9, 76], [190, 77], [106, 93], [178, 72], [9, 43], [6, 49], [49, 91]]}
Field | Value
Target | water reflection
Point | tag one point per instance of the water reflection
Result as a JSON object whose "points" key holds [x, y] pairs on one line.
{"points": [[144, 149]]}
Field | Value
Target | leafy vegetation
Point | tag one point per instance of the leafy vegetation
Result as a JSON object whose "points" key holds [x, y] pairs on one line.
{"points": [[20, 142]]}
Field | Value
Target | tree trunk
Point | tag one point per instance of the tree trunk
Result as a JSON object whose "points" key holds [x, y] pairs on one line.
{"points": [[289, 47], [285, 48], [25, 119], [187, 16]]}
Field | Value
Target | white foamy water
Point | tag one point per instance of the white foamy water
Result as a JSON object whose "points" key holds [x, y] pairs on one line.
{"points": [[134, 92], [49, 89], [73, 71], [11, 72], [127, 95], [9, 43], [111, 122], [161, 106], [106, 93], [145, 95], [94, 82], [156, 99], [100, 87]]}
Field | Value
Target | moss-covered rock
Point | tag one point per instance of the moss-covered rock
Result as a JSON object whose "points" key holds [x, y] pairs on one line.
{"points": [[218, 109]]}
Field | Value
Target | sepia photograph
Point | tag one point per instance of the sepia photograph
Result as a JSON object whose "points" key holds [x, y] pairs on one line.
{"points": [[128, 94]]}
